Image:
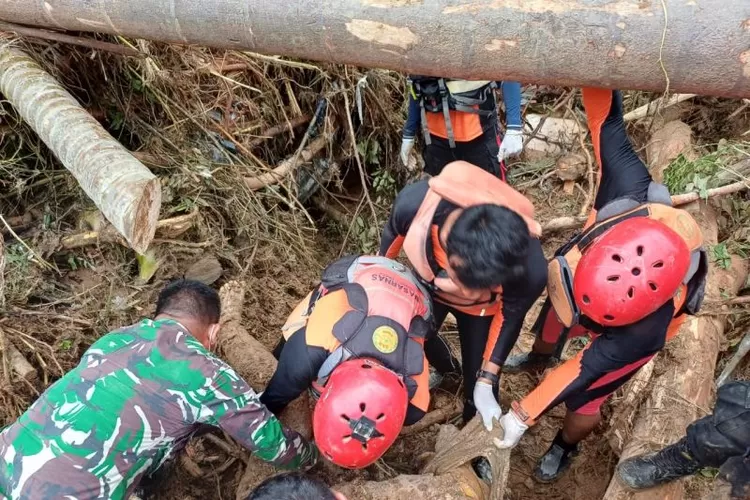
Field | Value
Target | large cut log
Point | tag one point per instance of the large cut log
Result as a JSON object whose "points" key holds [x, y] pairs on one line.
{"points": [[256, 365], [684, 391], [633, 44], [126, 192], [473, 442], [459, 482]]}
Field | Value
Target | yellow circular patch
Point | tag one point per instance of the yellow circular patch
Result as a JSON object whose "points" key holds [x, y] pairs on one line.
{"points": [[385, 339]]}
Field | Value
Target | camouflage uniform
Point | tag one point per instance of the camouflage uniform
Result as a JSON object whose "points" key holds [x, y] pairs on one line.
{"points": [[134, 399]]}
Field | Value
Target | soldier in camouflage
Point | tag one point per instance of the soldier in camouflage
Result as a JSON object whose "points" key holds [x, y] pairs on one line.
{"points": [[136, 397]]}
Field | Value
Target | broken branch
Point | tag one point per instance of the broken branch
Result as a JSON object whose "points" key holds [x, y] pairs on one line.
{"points": [[656, 105], [73, 40], [562, 223], [438, 416], [168, 228], [287, 166], [279, 129]]}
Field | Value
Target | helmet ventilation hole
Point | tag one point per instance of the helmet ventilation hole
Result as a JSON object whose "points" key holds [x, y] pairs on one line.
{"points": [[613, 278], [362, 407], [617, 258], [345, 417], [380, 417], [639, 250], [364, 446], [609, 317], [367, 366], [652, 285], [631, 291], [658, 264], [401, 383], [636, 271], [586, 299]]}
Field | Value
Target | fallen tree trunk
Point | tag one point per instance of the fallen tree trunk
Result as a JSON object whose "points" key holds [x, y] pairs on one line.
{"points": [[256, 365], [125, 191], [617, 44], [683, 392], [460, 482]]}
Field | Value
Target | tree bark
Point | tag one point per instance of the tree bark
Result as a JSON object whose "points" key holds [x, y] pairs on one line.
{"points": [[126, 192], [684, 391], [254, 363], [457, 483], [614, 43]]}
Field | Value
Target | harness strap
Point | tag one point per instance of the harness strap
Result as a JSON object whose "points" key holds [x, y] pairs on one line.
{"points": [[425, 128], [446, 113]]}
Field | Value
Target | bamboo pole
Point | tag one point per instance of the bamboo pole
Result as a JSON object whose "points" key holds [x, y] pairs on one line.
{"points": [[125, 191]]}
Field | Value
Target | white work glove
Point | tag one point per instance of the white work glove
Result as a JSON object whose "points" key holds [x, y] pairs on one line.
{"points": [[486, 404], [407, 144], [513, 428], [512, 144]]}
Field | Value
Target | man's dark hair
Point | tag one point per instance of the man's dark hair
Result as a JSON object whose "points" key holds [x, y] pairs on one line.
{"points": [[292, 486], [190, 298], [491, 243]]}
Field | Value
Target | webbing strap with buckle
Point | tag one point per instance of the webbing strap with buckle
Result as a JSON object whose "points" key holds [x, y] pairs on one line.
{"points": [[446, 113]]}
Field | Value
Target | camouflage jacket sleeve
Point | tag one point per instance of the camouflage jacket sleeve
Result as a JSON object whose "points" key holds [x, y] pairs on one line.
{"points": [[233, 406]]}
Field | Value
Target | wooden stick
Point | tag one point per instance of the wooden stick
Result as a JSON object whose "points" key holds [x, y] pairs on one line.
{"points": [[620, 424], [287, 166], [438, 416], [166, 227], [278, 129], [656, 105], [562, 223], [73, 40], [684, 199]]}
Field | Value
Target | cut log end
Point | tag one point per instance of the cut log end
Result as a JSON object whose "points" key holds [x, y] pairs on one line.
{"points": [[147, 207]]}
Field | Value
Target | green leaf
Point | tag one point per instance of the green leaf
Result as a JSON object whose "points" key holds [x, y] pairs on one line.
{"points": [[147, 266], [66, 344]]}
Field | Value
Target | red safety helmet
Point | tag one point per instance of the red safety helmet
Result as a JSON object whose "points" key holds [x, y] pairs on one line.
{"points": [[630, 271], [360, 413]]}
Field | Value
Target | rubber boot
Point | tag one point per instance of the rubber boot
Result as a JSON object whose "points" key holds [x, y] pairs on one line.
{"points": [[557, 460], [529, 362], [646, 471]]}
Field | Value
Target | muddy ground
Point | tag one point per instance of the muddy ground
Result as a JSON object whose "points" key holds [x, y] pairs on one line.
{"points": [[197, 132]]}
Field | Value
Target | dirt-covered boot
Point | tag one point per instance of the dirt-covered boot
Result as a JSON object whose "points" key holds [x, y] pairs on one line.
{"points": [[653, 469], [529, 362], [556, 461]]}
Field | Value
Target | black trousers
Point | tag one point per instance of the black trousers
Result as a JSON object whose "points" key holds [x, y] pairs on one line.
{"points": [[723, 438], [473, 332], [481, 152]]}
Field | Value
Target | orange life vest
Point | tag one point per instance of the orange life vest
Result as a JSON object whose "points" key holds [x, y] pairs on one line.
{"points": [[369, 307], [562, 267], [463, 185]]}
